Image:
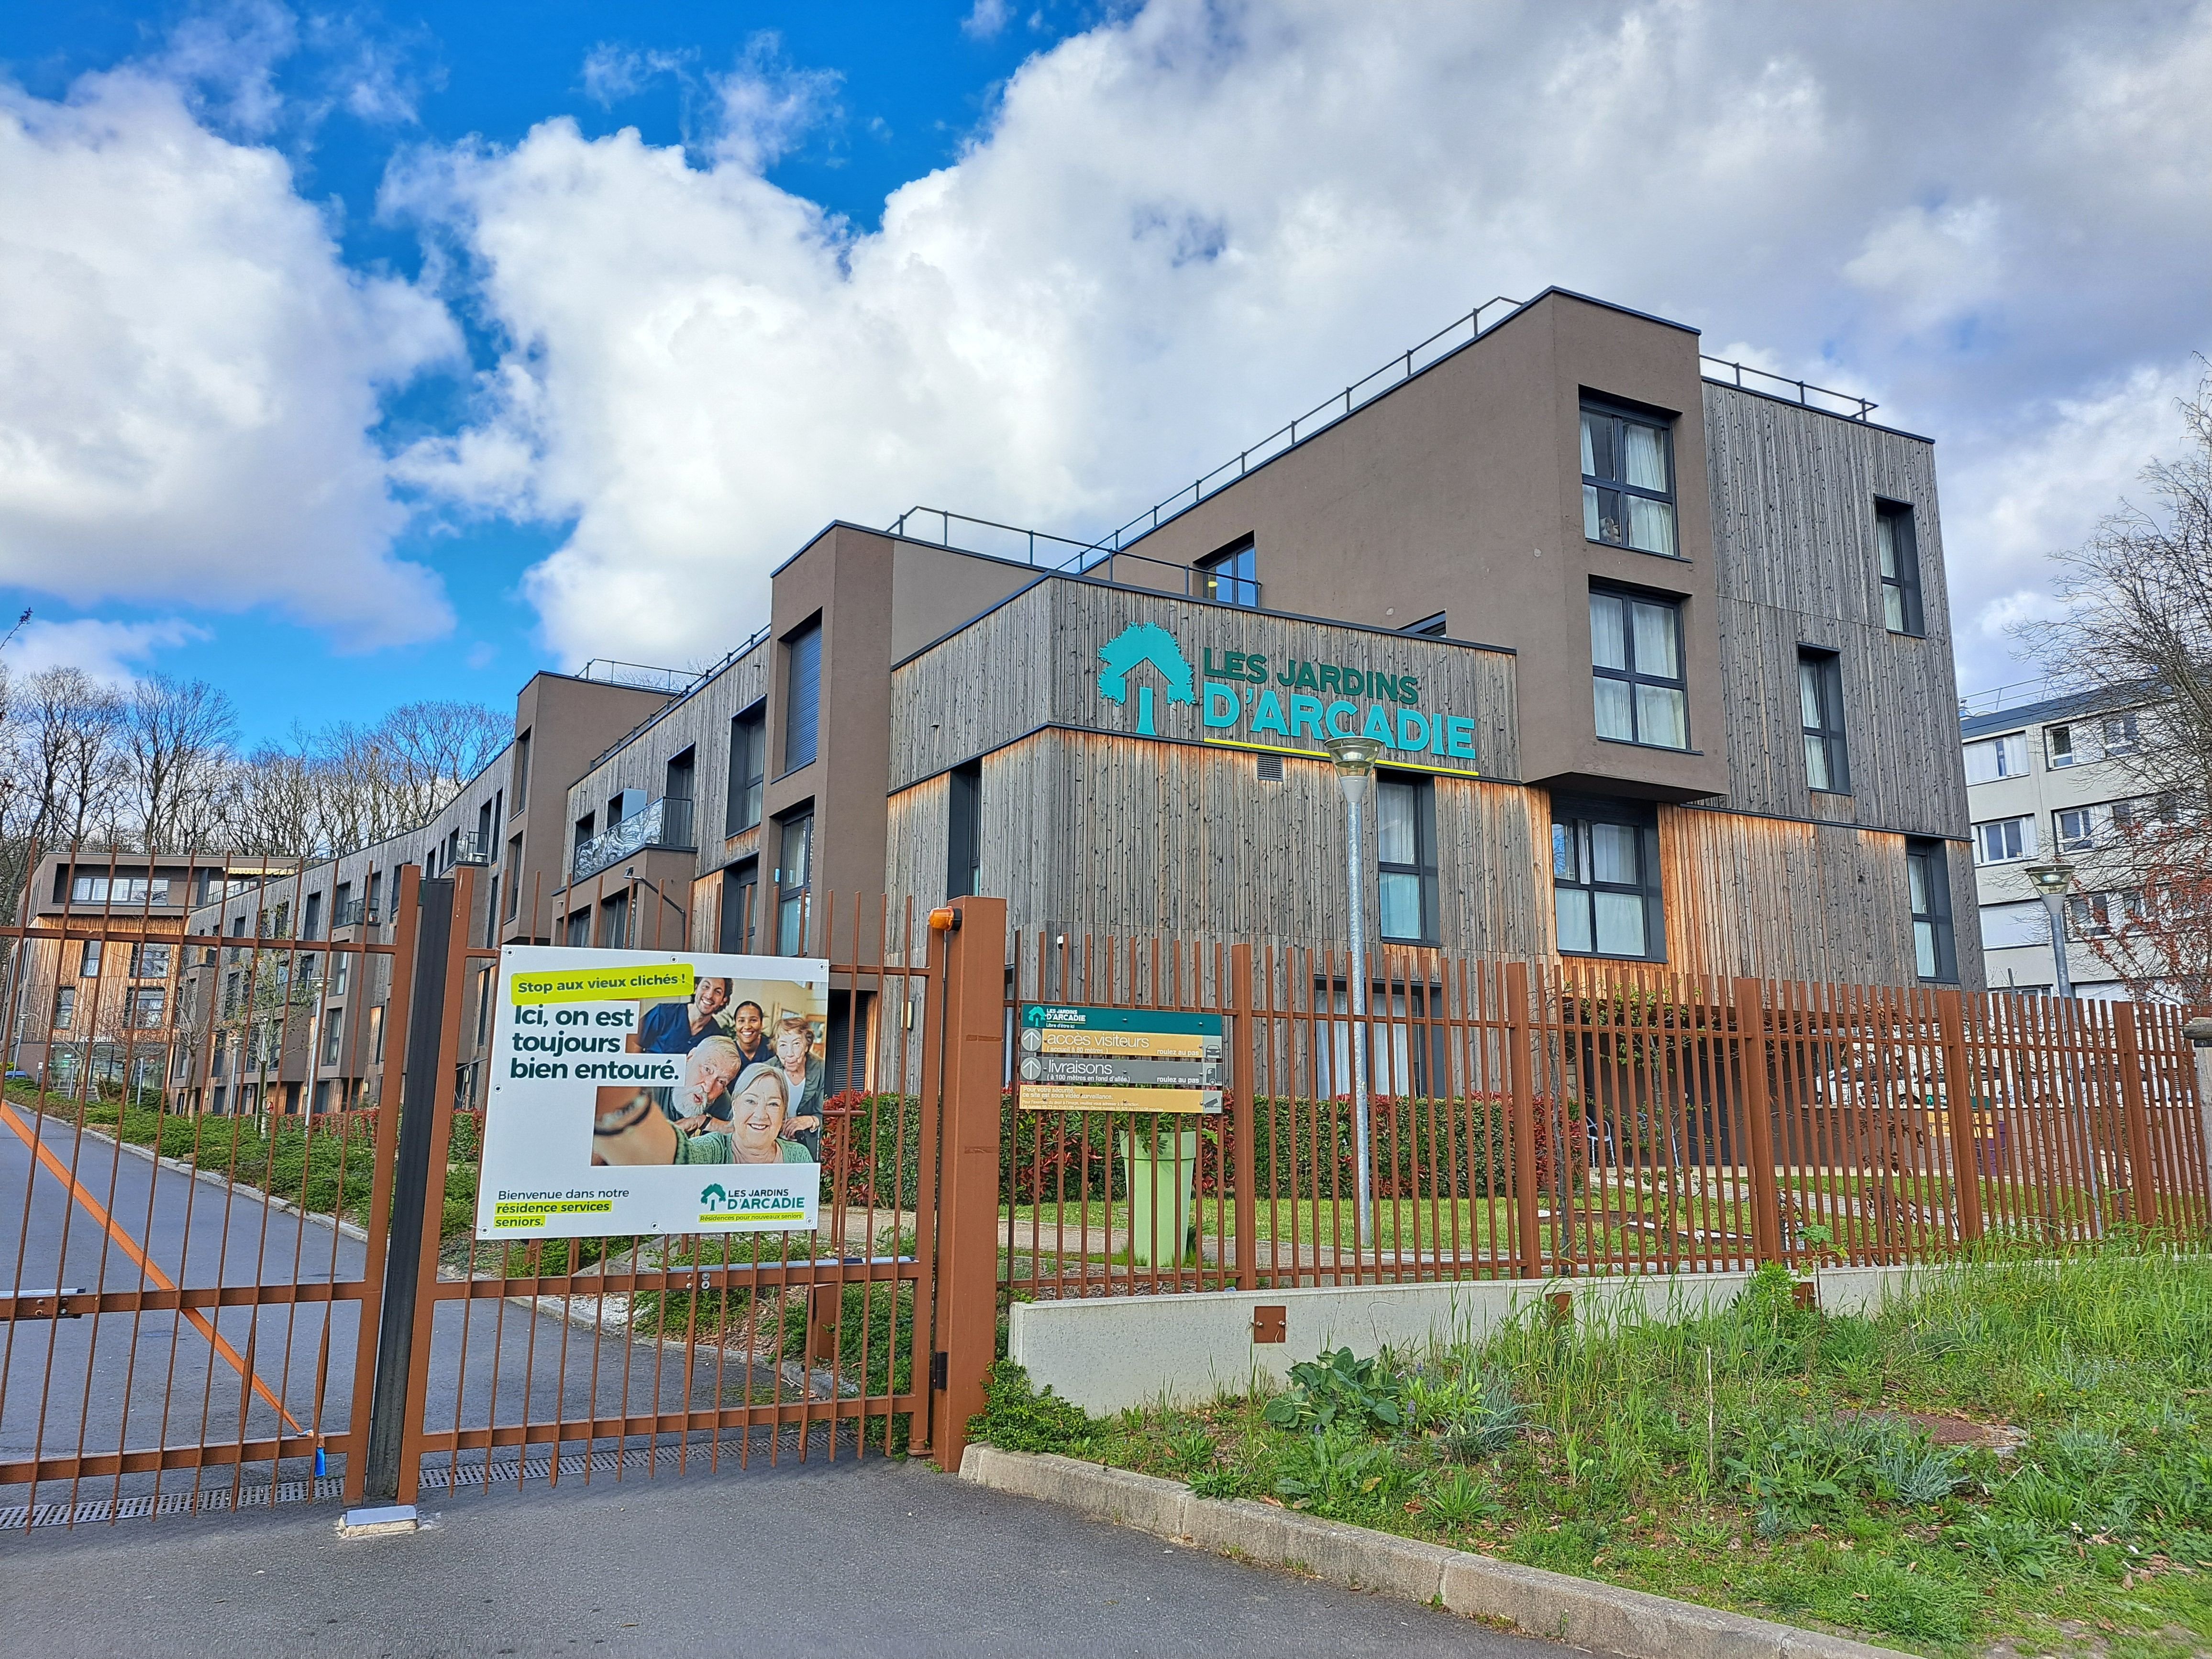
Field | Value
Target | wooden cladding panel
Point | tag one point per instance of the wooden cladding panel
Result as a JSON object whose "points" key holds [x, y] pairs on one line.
{"points": [[1034, 662], [1092, 833], [1773, 899], [1796, 562]]}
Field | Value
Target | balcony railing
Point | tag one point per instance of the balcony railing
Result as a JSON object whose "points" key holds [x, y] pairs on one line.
{"points": [[353, 913], [665, 822]]}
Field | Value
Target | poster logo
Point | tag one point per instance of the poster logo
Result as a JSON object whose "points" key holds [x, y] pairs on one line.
{"points": [[1134, 646], [714, 1197]]}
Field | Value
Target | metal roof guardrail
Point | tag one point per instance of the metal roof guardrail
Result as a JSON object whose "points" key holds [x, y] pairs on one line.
{"points": [[644, 676], [703, 677], [1806, 392]]}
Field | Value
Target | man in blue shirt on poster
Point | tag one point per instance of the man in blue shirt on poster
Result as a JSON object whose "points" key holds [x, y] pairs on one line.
{"points": [[677, 1027]]}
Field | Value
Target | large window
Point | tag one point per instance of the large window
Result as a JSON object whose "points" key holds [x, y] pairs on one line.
{"points": [[2004, 840], [1989, 759], [1628, 481], [1233, 576], [802, 699], [1604, 880], [64, 1007], [1406, 857], [1901, 568], [963, 869], [1635, 658], [1820, 705], [146, 1004], [119, 890], [1927, 872], [748, 766], [614, 922], [2076, 828], [794, 871], [149, 961]]}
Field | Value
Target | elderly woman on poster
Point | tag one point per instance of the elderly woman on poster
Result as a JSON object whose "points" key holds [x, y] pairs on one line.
{"points": [[629, 1128], [803, 1078]]}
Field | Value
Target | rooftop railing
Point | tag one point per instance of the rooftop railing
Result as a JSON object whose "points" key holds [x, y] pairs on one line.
{"points": [[703, 677], [1861, 407]]}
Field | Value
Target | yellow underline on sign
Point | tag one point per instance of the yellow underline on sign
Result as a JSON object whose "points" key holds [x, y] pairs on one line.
{"points": [[1388, 763]]}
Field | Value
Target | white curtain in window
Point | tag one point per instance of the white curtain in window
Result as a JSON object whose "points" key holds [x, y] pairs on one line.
{"points": [[1655, 652], [1395, 840], [1661, 718], [1650, 525], [1646, 456], [1608, 631]]}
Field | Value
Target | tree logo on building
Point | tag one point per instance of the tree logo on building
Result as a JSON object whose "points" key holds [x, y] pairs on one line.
{"points": [[1135, 645]]}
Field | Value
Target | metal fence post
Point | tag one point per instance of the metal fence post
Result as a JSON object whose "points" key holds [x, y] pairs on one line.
{"points": [[2142, 1203], [1750, 1003], [973, 1071], [2199, 1033], [1518, 1031], [1245, 1116], [1959, 1096], [419, 1106]]}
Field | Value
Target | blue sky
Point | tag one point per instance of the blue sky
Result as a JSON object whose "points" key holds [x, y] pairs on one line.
{"points": [[357, 356]]}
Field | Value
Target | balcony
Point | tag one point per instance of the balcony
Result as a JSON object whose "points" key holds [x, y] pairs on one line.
{"points": [[665, 823], [353, 913]]}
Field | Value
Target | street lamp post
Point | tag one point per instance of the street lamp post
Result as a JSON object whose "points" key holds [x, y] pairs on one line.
{"points": [[1354, 759], [2051, 882]]}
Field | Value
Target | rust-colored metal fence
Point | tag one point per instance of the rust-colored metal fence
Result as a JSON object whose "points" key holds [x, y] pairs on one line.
{"points": [[1531, 1121]]}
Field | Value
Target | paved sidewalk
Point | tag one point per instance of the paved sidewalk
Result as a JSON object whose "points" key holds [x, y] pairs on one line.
{"points": [[884, 1559]]}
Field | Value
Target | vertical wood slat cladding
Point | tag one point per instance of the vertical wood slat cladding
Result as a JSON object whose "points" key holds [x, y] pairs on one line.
{"points": [[1188, 840], [1796, 562], [702, 724], [1772, 899], [1034, 661]]}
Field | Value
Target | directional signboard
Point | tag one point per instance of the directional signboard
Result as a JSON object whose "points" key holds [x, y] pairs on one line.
{"points": [[1118, 1059]]}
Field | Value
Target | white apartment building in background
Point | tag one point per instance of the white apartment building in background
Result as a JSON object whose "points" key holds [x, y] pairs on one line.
{"points": [[2048, 782]]}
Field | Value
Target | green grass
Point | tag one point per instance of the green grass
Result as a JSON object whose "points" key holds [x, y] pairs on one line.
{"points": [[1756, 1459]]}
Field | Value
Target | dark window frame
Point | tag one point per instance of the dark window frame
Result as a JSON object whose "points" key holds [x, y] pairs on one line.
{"points": [[1932, 859], [1423, 868], [1904, 581], [748, 768], [740, 918], [1825, 734], [963, 831], [1576, 815], [802, 696], [1632, 675], [791, 895], [1597, 484], [1235, 569]]}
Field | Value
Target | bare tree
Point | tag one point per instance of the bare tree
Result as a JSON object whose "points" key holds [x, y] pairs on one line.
{"points": [[177, 744], [2139, 625]]}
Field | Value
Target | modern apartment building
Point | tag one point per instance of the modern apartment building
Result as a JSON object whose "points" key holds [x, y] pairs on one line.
{"points": [[2050, 782], [1661, 663]]}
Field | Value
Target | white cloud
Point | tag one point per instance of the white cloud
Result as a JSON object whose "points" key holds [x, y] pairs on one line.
{"points": [[985, 20], [112, 652], [189, 376], [1190, 222]]}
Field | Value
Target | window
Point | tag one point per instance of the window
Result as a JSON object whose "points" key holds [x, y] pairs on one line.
{"points": [[89, 964], [119, 890], [341, 974], [748, 761], [342, 912], [802, 700], [792, 876], [1992, 758], [1628, 482], [149, 961], [579, 928], [146, 1004], [515, 883], [311, 924], [2089, 915], [2128, 816], [1900, 553], [376, 1036], [614, 922], [1406, 857], [230, 994], [963, 837], [2076, 828], [1604, 880], [64, 1007], [1636, 653], [1432, 626], [585, 827], [2008, 926], [1927, 884], [1233, 576], [375, 893], [2120, 734], [2058, 744], [1821, 703], [2004, 840], [521, 770], [484, 836]]}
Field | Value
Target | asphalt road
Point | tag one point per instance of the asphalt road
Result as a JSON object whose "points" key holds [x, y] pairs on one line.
{"points": [[111, 1381], [878, 1558]]}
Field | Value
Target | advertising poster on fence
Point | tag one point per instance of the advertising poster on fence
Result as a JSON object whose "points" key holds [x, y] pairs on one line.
{"points": [[641, 1092]]}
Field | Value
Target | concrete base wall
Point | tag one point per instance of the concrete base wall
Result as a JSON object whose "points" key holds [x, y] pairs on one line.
{"points": [[1109, 1353]]}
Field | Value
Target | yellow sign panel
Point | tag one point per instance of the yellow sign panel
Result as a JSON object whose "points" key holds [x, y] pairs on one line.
{"points": [[1077, 1097], [667, 979]]}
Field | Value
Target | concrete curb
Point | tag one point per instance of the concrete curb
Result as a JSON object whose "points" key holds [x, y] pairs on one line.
{"points": [[1552, 1604]]}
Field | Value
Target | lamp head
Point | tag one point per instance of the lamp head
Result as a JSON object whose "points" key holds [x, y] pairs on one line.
{"points": [[1353, 757], [2050, 879]]}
